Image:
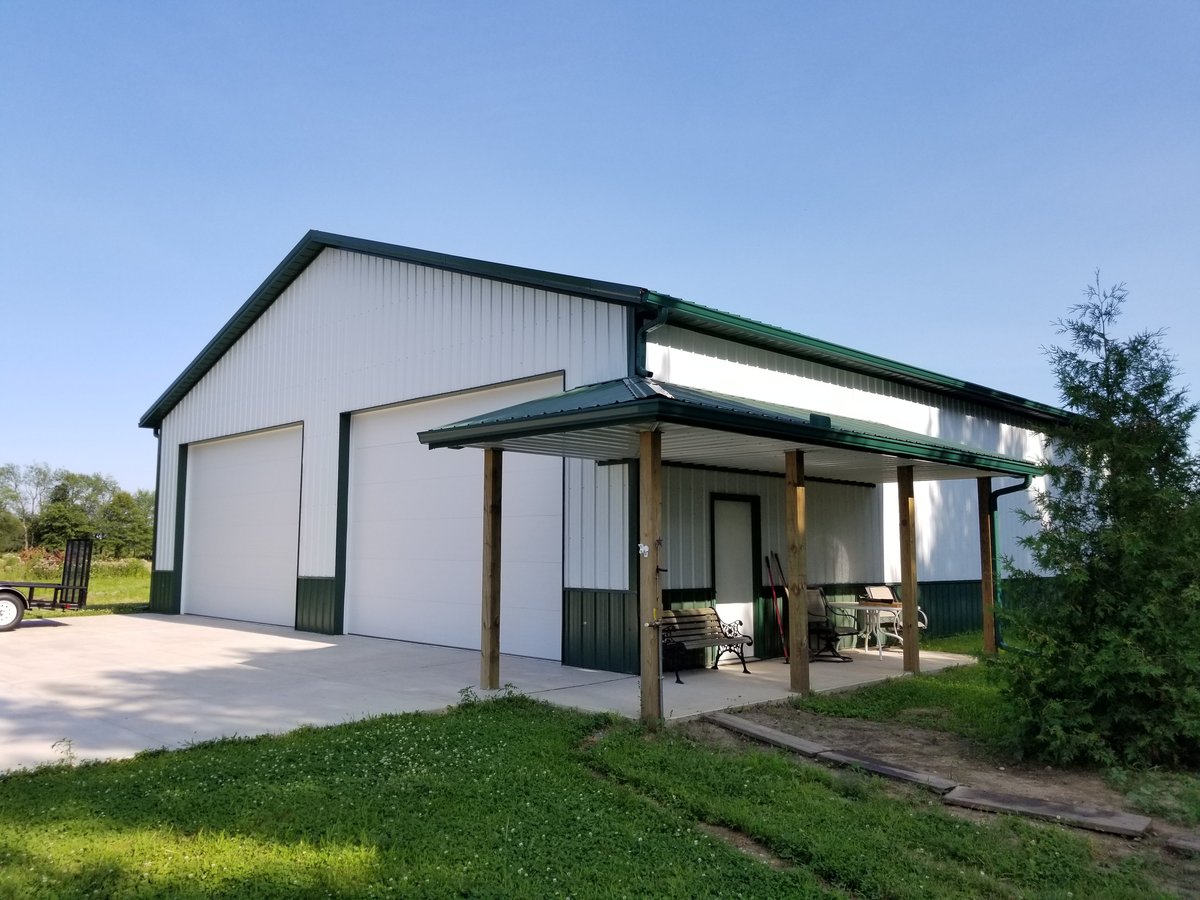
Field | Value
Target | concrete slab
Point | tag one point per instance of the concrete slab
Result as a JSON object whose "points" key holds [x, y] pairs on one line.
{"points": [[1090, 817], [112, 686]]}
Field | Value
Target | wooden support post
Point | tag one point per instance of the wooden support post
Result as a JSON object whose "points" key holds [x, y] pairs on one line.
{"points": [[908, 570], [987, 566], [649, 585], [489, 640], [797, 571]]}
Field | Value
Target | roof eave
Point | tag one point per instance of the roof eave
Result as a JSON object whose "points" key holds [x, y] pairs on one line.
{"points": [[670, 411]]}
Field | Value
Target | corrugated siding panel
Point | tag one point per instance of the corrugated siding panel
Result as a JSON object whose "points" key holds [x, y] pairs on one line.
{"points": [[596, 527], [356, 331], [843, 525], [600, 630], [703, 361], [317, 608], [948, 529]]}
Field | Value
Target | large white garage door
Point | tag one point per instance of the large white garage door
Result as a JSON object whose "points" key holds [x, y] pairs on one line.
{"points": [[241, 527], [415, 541]]}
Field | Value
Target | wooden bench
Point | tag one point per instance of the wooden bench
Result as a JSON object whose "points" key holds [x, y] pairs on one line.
{"points": [[693, 629], [70, 593]]}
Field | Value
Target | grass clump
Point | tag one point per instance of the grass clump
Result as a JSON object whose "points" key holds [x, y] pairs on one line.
{"points": [[504, 798], [1172, 796]]}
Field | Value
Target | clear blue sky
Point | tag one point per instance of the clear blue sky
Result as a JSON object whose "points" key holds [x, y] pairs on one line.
{"points": [[931, 181]]}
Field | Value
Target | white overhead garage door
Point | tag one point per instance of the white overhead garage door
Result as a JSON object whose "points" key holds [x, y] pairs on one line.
{"points": [[241, 527], [415, 540]]}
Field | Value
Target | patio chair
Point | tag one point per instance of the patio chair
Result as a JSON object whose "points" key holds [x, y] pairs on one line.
{"points": [[824, 633], [891, 621]]}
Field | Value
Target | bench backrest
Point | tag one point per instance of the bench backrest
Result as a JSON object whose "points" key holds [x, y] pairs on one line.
{"points": [[77, 569], [692, 623]]}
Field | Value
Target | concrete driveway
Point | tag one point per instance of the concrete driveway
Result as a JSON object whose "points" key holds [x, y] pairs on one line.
{"points": [[110, 686]]}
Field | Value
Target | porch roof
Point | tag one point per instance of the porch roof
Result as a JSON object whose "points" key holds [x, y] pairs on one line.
{"points": [[602, 422]]}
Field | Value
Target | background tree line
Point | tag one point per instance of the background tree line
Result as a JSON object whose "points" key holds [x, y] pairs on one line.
{"points": [[45, 507]]}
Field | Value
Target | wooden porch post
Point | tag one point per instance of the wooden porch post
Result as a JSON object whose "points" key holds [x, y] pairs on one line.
{"points": [[797, 572], [649, 586], [908, 570], [987, 566], [489, 640]]}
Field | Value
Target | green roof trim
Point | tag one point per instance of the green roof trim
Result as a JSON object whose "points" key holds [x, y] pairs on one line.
{"points": [[718, 323], [310, 247], [629, 401]]}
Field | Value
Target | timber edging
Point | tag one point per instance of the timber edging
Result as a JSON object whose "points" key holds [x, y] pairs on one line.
{"points": [[953, 793]]}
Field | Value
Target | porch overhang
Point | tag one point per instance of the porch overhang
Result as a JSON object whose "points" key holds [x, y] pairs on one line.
{"points": [[603, 421]]}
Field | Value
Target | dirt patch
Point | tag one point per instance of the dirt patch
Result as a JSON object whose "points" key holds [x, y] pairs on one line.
{"points": [[743, 843]]}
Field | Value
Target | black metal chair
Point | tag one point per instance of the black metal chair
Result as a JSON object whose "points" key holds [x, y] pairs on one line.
{"points": [[824, 634]]}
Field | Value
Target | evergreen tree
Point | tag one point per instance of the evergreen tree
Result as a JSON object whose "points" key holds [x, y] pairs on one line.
{"points": [[1112, 668]]}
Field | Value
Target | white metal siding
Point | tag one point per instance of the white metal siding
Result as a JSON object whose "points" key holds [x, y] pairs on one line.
{"points": [[695, 360], [948, 529], [844, 543], [355, 331], [596, 539], [414, 541], [243, 513]]}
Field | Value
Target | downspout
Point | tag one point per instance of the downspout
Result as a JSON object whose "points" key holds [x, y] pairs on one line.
{"points": [[639, 340], [993, 507]]}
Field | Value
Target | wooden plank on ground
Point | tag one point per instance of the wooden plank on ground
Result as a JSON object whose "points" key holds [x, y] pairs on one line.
{"points": [[1188, 845], [766, 734], [1090, 817], [887, 770]]}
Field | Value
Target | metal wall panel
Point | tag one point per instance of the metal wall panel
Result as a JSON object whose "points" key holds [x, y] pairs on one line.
{"points": [[596, 539], [697, 360], [947, 513], [844, 541], [355, 331]]}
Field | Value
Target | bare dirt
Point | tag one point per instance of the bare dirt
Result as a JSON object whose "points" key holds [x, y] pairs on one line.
{"points": [[955, 758]]}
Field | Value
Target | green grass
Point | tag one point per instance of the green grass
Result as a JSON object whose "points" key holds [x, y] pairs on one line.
{"points": [[507, 798], [1172, 796]]}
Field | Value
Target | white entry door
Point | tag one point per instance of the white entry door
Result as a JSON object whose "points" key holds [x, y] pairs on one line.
{"points": [[734, 566]]}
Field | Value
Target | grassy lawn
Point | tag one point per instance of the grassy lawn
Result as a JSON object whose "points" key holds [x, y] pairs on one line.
{"points": [[508, 798], [116, 586], [967, 701]]}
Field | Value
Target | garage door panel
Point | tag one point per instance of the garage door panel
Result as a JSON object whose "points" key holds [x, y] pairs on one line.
{"points": [[415, 534], [241, 527]]}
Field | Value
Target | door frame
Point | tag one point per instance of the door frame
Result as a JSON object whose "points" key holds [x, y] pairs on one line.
{"points": [[756, 583]]}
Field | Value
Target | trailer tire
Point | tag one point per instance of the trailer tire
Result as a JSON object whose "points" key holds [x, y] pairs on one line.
{"points": [[12, 610]]}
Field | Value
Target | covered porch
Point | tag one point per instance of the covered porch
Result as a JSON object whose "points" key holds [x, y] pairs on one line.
{"points": [[648, 423]]}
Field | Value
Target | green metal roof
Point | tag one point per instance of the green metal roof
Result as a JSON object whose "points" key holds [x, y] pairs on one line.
{"points": [[642, 402], [680, 312]]}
